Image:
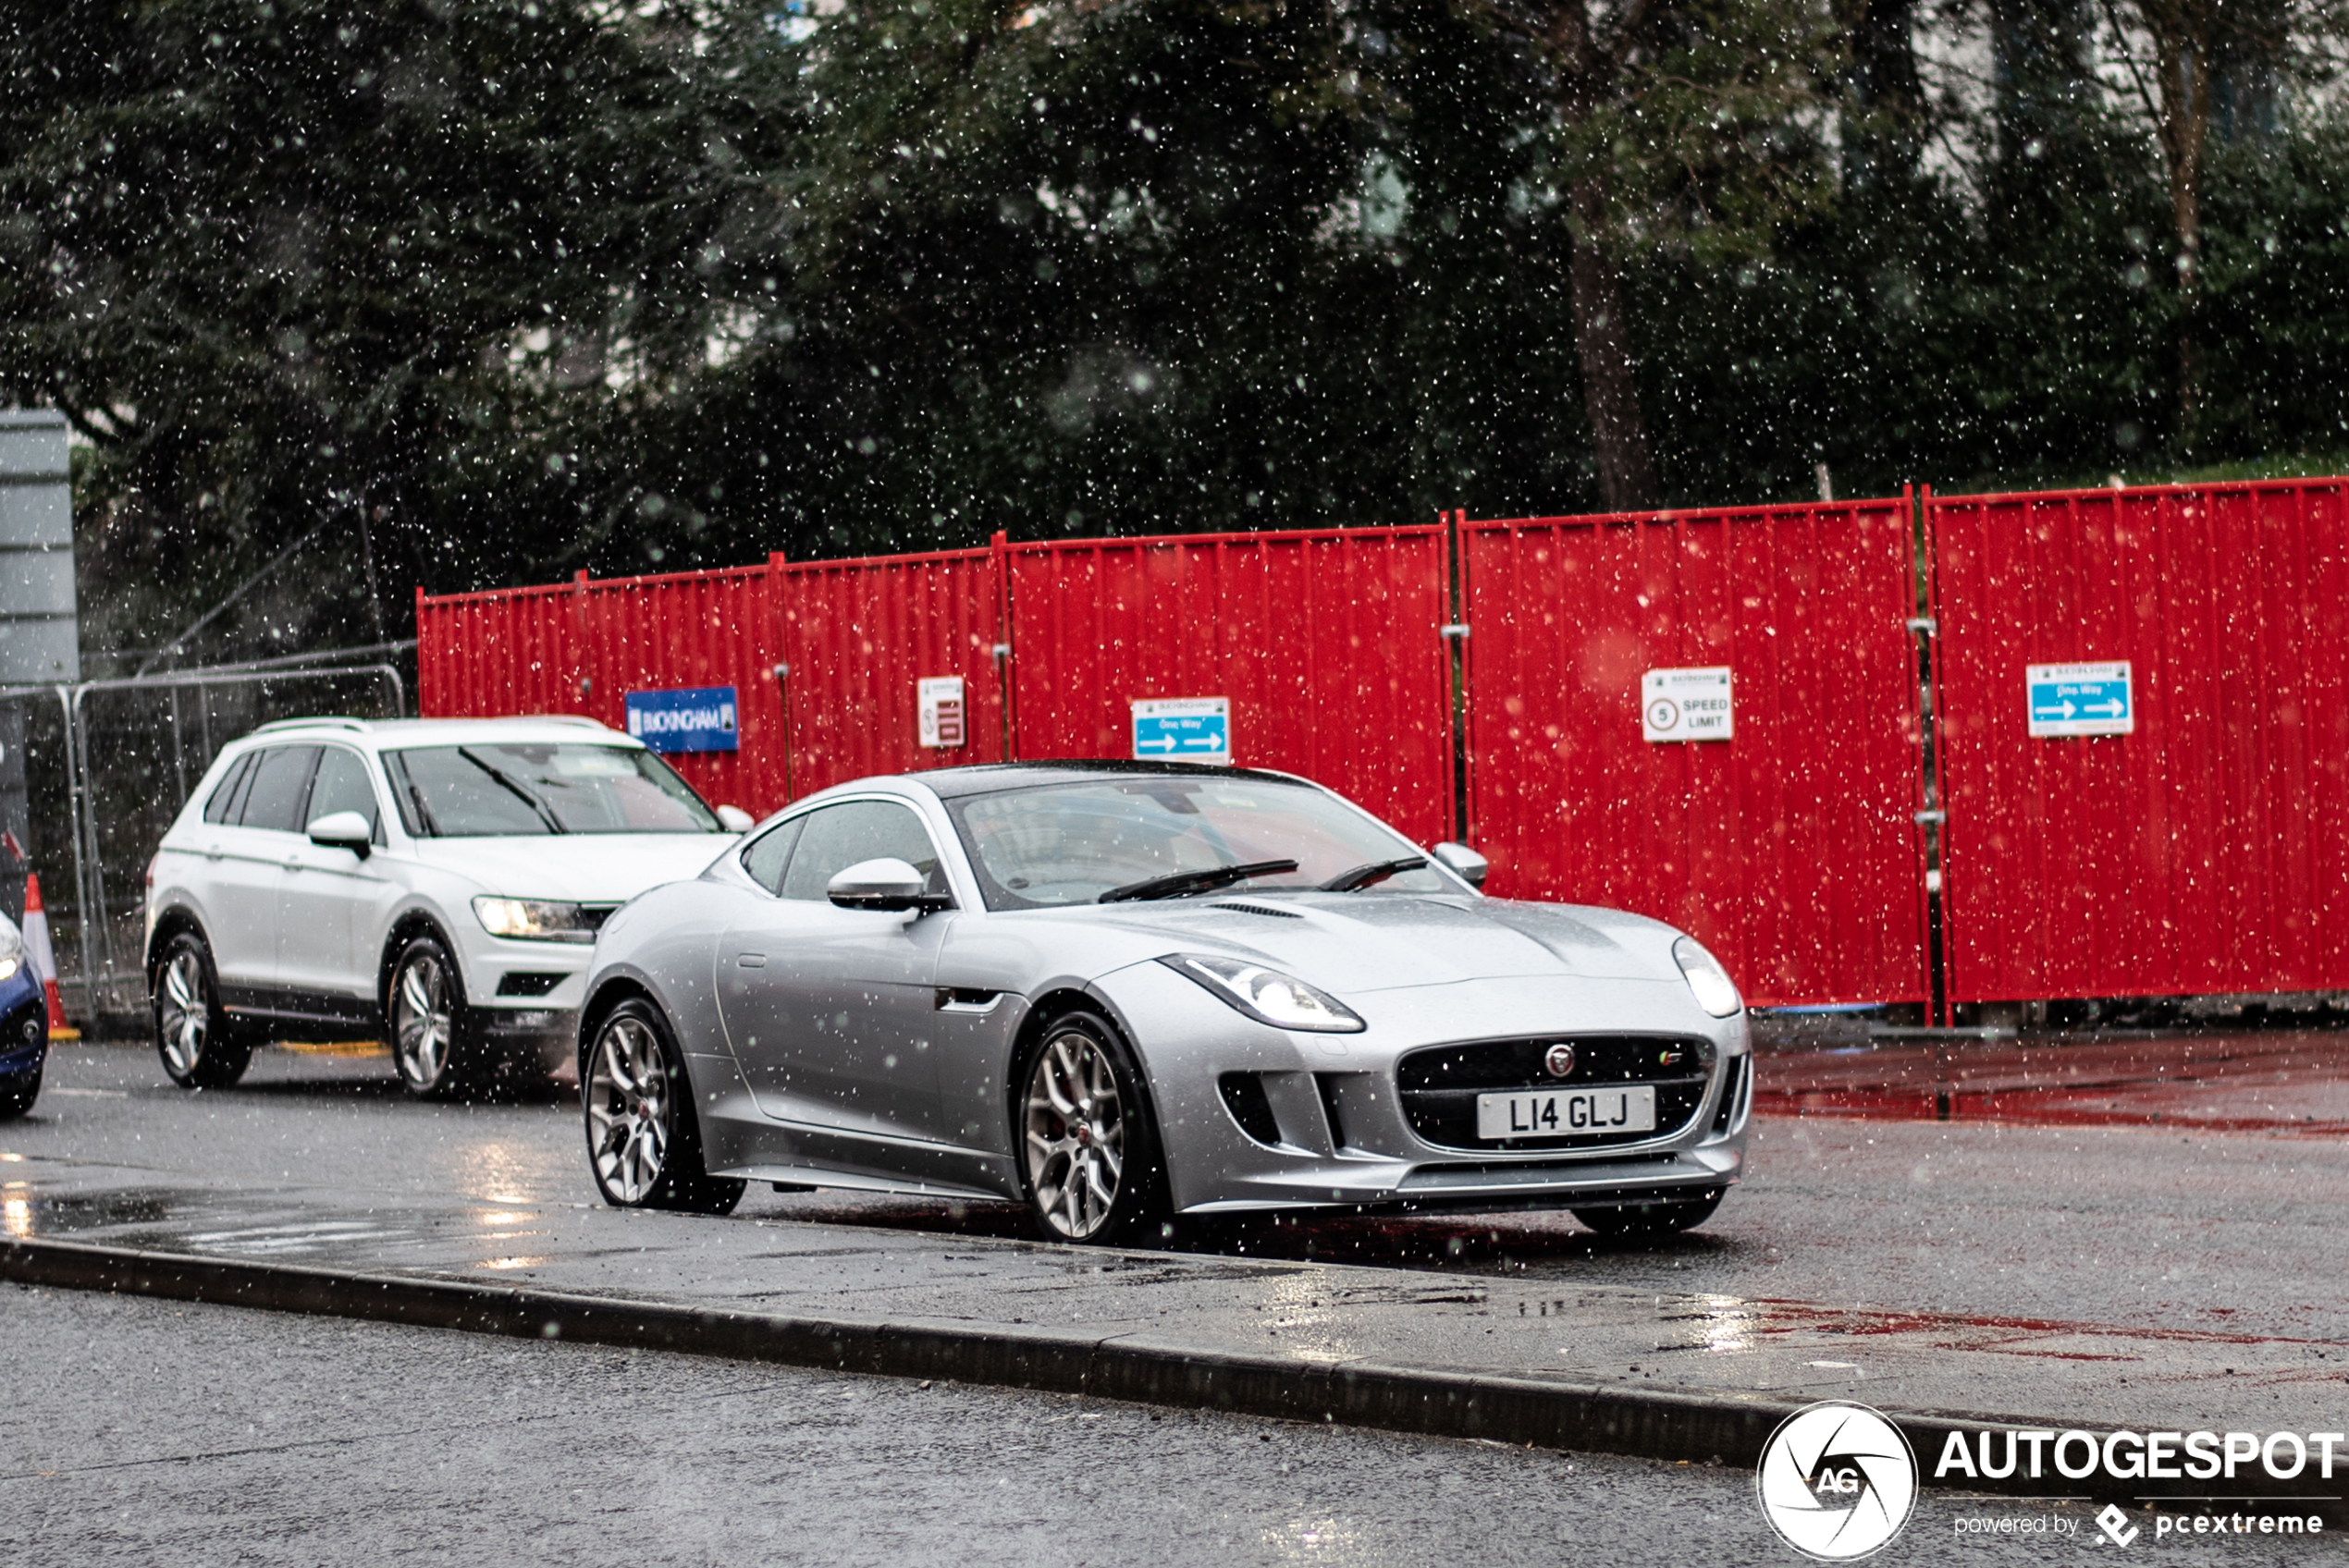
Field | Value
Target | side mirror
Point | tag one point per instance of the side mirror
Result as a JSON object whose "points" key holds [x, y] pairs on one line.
{"points": [[733, 819], [344, 830], [884, 884], [1464, 862]]}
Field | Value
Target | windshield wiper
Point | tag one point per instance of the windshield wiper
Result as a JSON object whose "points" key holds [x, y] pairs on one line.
{"points": [[1376, 871], [1194, 881], [545, 813]]}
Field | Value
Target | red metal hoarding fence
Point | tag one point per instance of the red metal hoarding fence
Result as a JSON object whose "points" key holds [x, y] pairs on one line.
{"points": [[1792, 849], [694, 629], [861, 636], [1327, 643], [2205, 851]]}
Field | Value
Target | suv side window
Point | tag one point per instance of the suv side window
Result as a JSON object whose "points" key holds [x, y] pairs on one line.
{"points": [[838, 837], [279, 781], [342, 785], [223, 805], [764, 856]]}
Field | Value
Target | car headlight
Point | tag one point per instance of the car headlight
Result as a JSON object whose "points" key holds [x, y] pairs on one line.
{"points": [[11, 949], [536, 920], [1267, 995], [1708, 982]]}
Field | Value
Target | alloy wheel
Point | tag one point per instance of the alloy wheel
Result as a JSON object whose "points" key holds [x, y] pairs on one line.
{"points": [[186, 1016], [421, 1022], [628, 1110], [1076, 1135]]}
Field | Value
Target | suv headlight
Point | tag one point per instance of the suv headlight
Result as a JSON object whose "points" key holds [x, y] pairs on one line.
{"points": [[1267, 995], [537, 920], [11, 949], [1708, 982]]}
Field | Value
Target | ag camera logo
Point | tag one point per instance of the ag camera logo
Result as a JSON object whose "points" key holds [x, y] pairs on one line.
{"points": [[1837, 1482]]}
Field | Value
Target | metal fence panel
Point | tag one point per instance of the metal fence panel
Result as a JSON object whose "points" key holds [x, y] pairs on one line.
{"points": [[2208, 852], [506, 651], [1327, 645], [1792, 850], [694, 629], [860, 634]]}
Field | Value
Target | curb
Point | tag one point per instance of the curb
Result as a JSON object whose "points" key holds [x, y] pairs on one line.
{"points": [[1434, 1402]]}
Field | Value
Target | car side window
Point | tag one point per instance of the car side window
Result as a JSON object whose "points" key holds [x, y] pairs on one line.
{"points": [[838, 837], [342, 785], [280, 779], [765, 856], [221, 807]]}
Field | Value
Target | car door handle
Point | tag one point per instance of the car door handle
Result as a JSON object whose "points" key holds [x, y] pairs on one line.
{"points": [[751, 960]]}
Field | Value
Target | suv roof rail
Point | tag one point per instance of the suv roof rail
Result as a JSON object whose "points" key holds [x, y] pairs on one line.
{"points": [[579, 718], [336, 720]]}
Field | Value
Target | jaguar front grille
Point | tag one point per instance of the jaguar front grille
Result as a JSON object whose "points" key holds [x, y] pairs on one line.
{"points": [[1439, 1085]]}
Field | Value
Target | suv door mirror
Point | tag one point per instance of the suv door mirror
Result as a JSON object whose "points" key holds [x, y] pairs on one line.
{"points": [[885, 884], [1464, 862], [343, 830]]}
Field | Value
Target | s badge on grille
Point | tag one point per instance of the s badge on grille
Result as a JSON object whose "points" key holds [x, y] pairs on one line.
{"points": [[1558, 1060]]}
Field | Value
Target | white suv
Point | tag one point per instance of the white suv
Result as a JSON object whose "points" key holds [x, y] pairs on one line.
{"points": [[434, 883]]}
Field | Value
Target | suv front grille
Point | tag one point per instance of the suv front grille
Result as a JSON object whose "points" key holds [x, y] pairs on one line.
{"points": [[1439, 1085]]}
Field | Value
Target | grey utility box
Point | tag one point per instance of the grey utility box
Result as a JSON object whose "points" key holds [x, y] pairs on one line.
{"points": [[39, 640]]}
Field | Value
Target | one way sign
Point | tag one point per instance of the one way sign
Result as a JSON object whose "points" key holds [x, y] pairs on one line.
{"points": [[2080, 699]]}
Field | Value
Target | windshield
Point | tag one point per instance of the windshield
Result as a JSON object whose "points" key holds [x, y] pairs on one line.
{"points": [[1055, 844], [520, 789]]}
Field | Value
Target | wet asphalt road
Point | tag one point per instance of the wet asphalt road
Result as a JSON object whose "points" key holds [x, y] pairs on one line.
{"points": [[140, 1432], [2224, 1232]]}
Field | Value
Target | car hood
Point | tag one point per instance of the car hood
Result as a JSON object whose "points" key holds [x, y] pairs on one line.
{"points": [[1356, 942], [595, 868]]}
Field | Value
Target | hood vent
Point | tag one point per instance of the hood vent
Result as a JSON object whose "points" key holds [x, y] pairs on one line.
{"points": [[1260, 909]]}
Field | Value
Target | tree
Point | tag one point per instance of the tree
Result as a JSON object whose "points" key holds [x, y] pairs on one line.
{"points": [[1673, 119], [389, 269], [2198, 47]]}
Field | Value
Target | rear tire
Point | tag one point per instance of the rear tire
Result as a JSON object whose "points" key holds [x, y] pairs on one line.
{"points": [[1652, 1219], [433, 1036], [644, 1141], [200, 1049], [1091, 1164]]}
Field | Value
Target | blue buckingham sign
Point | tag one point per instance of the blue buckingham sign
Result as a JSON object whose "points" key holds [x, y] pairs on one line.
{"points": [[699, 720]]}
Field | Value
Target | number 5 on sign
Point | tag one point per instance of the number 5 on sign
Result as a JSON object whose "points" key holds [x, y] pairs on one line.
{"points": [[1685, 704]]}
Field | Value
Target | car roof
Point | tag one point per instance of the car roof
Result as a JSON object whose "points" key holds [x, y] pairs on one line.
{"points": [[982, 779], [393, 732]]}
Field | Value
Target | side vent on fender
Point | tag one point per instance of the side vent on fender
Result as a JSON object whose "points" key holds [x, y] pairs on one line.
{"points": [[1244, 1097]]}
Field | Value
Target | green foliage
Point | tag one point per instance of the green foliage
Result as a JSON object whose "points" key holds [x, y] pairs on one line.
{"points": [[539, 284]]}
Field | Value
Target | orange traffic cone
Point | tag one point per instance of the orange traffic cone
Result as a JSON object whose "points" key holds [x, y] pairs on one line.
{"points": [[42, 959]]}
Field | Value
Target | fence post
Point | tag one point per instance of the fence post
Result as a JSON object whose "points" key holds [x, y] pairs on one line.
{"points": [[1006, 670]]}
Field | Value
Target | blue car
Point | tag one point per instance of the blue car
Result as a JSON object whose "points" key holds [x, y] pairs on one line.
{"points": [[24, 1025]]}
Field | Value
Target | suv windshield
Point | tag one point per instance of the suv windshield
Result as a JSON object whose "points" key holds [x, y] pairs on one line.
{"points": [[520, 789], [1054, 844]]}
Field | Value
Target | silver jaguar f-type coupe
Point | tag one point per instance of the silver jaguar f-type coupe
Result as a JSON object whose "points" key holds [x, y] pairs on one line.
{"points": [[1123, 992]]}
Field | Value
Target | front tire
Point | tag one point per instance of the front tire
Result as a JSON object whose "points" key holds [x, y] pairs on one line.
{"points": [[431, 1032], [644, 1141], [18, 1090], [199, 1049], [1091, 1164], [1652, 1219]]}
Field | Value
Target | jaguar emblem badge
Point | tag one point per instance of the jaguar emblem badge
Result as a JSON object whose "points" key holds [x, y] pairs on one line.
{"points": [[1558, 1060]]}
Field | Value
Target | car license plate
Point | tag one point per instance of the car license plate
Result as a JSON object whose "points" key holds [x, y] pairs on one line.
{"points": [[1561, 1113]]}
